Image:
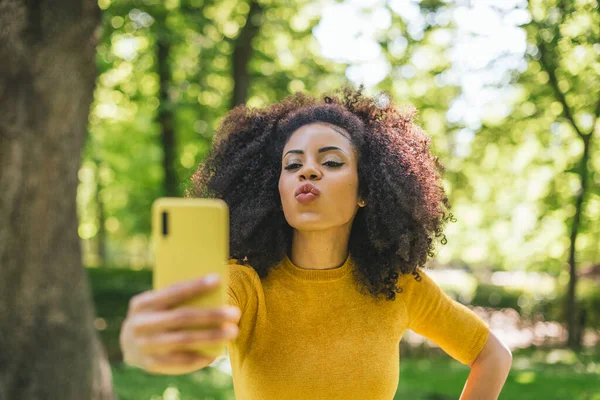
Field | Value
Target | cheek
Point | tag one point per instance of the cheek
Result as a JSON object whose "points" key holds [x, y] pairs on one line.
{"points": [[344, 194], [282, 185], [347, 186]]}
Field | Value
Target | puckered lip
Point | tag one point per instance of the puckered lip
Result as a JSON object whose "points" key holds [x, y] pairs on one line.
{"points": [[307, 188]]}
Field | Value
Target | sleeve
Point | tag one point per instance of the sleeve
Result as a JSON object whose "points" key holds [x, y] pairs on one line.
{"points": [[232, 298], [433, 314], [240, 285]]}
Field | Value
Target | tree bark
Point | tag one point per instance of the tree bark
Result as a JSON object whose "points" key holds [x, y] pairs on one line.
{"points": [[242, 54], [165, 111], [49, 348]]}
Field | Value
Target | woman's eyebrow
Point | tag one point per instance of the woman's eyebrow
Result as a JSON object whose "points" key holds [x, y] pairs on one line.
{"points": [[321, 150]]}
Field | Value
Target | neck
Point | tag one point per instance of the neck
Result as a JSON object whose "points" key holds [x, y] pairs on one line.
{"points": [[322, 249]]}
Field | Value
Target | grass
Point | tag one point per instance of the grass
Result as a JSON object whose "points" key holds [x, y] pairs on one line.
{"points": [[208, 384], [532, 377], [536, 374]]}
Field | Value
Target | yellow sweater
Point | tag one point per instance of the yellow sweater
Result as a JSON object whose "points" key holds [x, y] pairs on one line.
{"points": [[309, 334]]}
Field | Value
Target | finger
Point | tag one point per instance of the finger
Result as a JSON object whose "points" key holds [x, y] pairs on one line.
{"points": [[183, 317], [176, 363], [185, 340], [171, 295]]}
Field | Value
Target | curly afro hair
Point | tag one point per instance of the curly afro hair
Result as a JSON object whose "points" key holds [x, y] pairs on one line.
{"points": [[398, 177]]}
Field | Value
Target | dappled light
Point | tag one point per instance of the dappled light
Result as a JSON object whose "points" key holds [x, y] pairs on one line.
{"points": [[485, 94], [110, 105]]}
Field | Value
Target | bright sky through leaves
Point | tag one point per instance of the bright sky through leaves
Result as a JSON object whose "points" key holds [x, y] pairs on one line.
{"points": [[487, 45]]}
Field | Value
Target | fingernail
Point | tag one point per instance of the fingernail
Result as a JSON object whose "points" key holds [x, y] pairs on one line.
{"points": [[232, 312], [211, 278]]}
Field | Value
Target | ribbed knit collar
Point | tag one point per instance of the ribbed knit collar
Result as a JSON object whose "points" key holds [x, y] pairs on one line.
{"points": [[317, 274]]}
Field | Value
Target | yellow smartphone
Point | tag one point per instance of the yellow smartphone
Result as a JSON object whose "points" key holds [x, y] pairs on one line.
{"points": [[190, 239]]}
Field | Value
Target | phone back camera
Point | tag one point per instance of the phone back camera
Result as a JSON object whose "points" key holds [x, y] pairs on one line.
{"points": [[165, 225]]}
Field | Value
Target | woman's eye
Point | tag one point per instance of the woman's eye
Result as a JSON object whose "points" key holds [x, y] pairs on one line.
{"points": [[291, 166], [333, 164]]}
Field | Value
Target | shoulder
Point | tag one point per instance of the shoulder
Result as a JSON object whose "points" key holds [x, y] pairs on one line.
{"points": [[244, 284], [242, 272], [411, 279], [417, 285]]}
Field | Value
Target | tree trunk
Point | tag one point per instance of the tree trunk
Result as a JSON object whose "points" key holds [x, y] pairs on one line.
{"points": [[100, 216], [48, 345], [165, 111], [242, 54], [574, 330]]}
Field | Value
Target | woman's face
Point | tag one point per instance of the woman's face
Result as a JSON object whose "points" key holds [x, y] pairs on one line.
{"points": [[319, 154]]}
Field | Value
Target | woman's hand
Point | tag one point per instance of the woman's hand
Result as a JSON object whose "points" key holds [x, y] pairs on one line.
{"points": [[156, 337]]}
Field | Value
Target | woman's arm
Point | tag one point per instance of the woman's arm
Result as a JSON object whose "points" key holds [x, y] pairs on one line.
{"points": [[488, 372]]}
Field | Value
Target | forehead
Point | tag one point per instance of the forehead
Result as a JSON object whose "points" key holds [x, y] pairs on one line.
{"points": [[318, 134]]}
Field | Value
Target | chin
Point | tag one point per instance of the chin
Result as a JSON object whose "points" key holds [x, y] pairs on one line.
{"points": [[310, 224]]}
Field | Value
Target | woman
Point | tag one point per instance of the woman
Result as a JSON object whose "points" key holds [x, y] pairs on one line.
{"points": [[334, 205]]}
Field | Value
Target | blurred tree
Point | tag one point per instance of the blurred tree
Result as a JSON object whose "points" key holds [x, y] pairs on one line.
{"points": [[138, 95], [532, 167], [100, 213], [166, 106], [48, 345], [566, 34], [92, 174], [242, 54], [125, 134]]}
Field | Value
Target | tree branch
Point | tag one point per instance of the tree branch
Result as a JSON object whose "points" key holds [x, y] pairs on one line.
{"points": [[554, 83], [546, 65]]}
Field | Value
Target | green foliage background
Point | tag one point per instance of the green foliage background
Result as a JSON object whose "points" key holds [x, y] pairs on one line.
{"points": [[513, 184], [512, 189]]}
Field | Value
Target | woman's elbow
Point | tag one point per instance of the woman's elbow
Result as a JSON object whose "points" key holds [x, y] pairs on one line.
{"points": [[504, 355], [506, 358], [495, 352]]}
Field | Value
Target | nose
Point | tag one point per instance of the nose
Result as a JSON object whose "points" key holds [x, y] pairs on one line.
{"points": [[309, 170]]}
